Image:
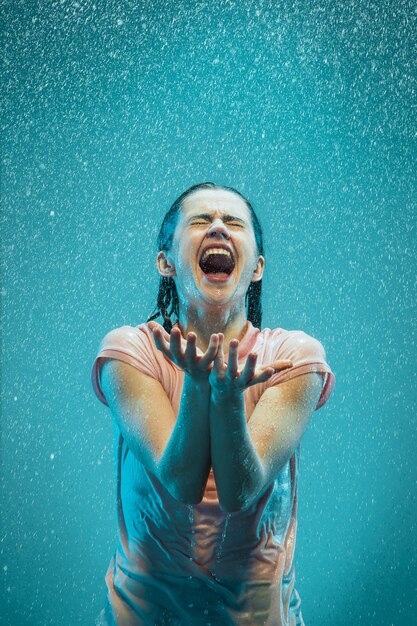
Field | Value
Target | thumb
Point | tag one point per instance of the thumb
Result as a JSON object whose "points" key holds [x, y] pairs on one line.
{"points": [[279, 365]]}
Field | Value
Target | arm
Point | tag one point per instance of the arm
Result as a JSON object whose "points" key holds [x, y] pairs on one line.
{"points": [[247, 456], [189, 445], [185, 463], [237, 468], [176, 451]]}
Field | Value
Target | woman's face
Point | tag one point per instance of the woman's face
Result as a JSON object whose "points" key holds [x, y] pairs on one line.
{"points": [[209, 217]]}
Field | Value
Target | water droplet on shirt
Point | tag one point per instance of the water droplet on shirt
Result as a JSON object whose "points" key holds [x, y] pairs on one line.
{"points": [[223, 537], [191, 519]]}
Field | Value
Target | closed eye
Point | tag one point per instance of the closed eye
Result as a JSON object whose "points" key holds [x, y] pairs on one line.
{"points": [[230, 223]]}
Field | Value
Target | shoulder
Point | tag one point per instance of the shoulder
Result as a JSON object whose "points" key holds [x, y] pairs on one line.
{"points": [[126, 335], [292, 342], [307, 354], [133, 345]]}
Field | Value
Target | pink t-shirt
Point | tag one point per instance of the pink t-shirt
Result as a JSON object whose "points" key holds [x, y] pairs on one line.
{"points": [[182, 564]]}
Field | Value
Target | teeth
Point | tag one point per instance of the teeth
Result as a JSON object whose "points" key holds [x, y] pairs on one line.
{"points": [[216, 251]]}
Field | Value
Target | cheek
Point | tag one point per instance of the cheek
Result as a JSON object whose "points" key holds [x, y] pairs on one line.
{"points": [[250, 255], [185, 264]]}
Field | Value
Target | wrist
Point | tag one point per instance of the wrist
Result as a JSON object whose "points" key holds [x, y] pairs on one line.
{"points": [[229, 396], [201, 382]]}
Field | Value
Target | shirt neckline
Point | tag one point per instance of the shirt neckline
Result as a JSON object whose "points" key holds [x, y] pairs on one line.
{"points": [[246, 342]]}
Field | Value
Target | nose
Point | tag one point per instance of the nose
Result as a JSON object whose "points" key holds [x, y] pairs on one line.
{"points": [[218, 227]]}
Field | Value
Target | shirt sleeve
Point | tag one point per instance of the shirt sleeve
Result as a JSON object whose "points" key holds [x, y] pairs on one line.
{"points": [[307, 355], [128, 344]]}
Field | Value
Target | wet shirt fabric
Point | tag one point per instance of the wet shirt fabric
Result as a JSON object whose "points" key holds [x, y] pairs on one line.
{"points": [[192, 565]]}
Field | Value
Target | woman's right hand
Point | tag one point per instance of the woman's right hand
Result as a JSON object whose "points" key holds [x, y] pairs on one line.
{"points": [[184, 352]]}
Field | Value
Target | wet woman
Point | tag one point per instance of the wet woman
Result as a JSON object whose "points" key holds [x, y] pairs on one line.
{"points": [[208, 412]]}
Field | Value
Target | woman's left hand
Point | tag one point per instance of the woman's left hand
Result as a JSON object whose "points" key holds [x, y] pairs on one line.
{"points": [[226, 378]]}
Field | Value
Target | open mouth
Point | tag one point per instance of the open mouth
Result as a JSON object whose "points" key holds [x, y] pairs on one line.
{"points": [[217, 265]]}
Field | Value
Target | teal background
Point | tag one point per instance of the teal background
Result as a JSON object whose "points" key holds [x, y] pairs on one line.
{"points": [[110, 112]]}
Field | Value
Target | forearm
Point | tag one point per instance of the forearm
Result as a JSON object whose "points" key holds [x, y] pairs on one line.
{"points": [[237, 468], [185, 463]]}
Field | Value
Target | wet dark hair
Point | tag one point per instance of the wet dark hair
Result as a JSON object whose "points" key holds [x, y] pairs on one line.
{"points": [[167, 294]]}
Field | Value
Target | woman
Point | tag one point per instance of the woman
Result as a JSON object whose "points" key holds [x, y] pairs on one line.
{"points": [[208, 416]]}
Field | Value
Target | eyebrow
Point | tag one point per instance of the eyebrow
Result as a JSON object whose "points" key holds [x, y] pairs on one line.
{"points": [[225, 217]]}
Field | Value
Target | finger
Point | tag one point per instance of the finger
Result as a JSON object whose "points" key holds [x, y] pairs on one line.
{"points": [[162, 332], [211, 351], [160, 342], [158, 331], [191, 347], [249, 369], [232, 364], [219, 358], [267, 371], [175, 342], [277, 366], [155, 326], [261, 377]]}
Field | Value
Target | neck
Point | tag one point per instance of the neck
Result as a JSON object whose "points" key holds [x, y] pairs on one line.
{"points": [[231, 323]]}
